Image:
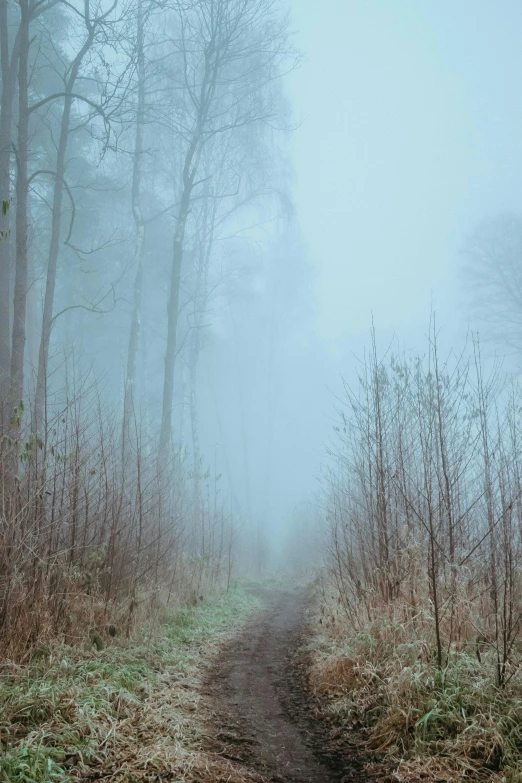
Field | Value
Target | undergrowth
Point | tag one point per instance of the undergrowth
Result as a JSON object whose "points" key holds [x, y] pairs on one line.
{"points": [[424, 723], [128, 712]]}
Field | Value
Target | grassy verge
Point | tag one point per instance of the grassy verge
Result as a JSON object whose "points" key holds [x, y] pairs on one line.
{"points": [[129, 712], [423, 724]]}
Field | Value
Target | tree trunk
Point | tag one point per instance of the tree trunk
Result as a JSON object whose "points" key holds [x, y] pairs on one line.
{"points": [[33, 324], [6, 110], [50, 283], [206, 242], [134, 335], [172, 329], [20, 289], [194, 421], [189, 172]]}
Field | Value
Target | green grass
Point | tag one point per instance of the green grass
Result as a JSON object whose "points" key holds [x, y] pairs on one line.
{"points": [[61, 711]]}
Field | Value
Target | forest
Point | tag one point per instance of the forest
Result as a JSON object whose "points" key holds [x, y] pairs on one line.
{"points": [[260, 399]]}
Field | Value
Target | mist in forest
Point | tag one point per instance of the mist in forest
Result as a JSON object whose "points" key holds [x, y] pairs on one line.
{"points": [[261, 390], [407, 167], [406, 140], [206, 208], [406, 143]]}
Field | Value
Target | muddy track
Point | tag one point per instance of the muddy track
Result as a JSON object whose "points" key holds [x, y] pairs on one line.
{"points": [[263, 712]]}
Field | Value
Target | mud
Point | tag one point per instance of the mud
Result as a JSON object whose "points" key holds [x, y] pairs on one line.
{"points": [[263, 712]]}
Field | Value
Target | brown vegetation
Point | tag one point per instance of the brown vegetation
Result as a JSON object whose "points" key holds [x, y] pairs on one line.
{"points": [[421, 635], [92, 537]]}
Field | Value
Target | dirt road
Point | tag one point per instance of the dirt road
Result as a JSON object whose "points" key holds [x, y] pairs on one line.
{"points": [[261, 706]]}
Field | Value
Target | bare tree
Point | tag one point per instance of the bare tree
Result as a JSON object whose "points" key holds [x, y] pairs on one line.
{"points": [[440, 439], [22, 187], [139, 222], [493, 277], [94, 29], [229, 55]]}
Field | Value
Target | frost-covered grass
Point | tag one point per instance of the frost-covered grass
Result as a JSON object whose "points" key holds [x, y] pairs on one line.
{"points": [[448, 725], [129, 711], [381, 685]]}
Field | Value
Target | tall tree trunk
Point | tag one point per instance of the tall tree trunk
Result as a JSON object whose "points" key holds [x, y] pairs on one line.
{"points": [[172, 316], [205, 243], [33, 323], [194, 420], [190, 167], [59, 179], [270, 425], [20, 288], [243, 421], [8, 71], [134, 334], [189, 172]]}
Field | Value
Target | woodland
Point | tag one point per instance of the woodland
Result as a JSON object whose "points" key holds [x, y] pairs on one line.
{"points": [[153, 284], [140, 144]]}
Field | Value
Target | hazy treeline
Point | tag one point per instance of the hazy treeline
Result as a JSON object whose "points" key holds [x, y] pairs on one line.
{"points": [[424, 502], [140, 166]]}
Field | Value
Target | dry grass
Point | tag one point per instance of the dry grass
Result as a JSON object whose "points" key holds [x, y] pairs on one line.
{"points": [[129, 712], [425, 724]]}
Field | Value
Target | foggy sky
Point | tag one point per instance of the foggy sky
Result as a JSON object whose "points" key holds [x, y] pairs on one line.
{"points": [[411, 133]]}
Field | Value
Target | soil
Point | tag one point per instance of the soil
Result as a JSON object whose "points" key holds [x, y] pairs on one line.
{"points": [[263, 713]]}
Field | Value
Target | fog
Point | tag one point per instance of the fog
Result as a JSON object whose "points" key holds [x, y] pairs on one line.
{"points": [[410, 136], [261, 390], [214, 269], [410, 122]]}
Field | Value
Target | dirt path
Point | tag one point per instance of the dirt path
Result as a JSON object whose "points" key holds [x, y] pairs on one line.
{"points": [[259, 701]]}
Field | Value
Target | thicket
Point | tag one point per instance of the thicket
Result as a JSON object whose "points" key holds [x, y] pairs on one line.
{"points": [[424, 504], [97, 534]]}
